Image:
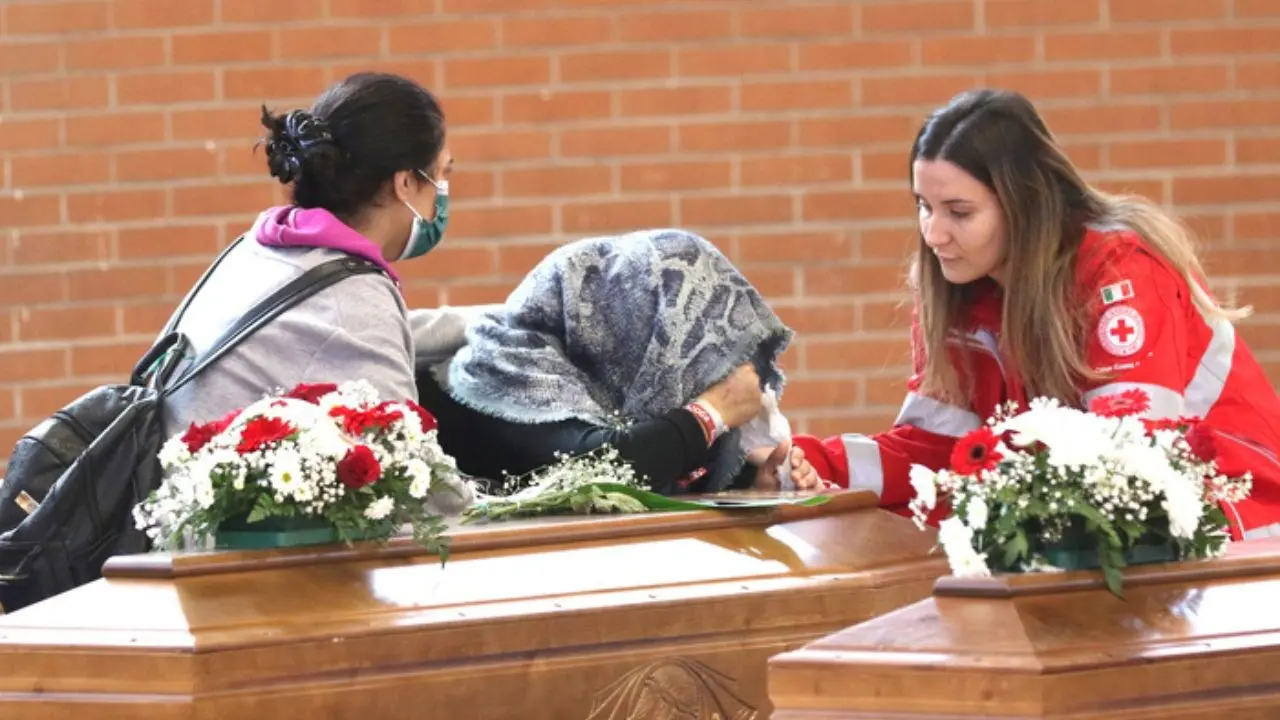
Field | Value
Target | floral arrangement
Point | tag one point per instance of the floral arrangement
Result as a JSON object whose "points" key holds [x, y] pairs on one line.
{"points": [[599, 482], [331, 452], [1054, 481]]}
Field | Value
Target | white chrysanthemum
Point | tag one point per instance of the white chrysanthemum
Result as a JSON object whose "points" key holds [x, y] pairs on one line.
{"points": [[977, 513], [419, 478], [956, 539], [380, 508], [286, 475], [923, 482], [1184, 502], [173, 453]]}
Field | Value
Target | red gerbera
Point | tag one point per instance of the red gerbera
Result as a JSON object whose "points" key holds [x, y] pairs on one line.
{"points": [[428, 420], [311, 392], [197, 436], [1129, 402], [261, 432], [976, 451]]}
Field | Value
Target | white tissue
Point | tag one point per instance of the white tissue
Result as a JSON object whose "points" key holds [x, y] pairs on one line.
{"points": [[770, 429]]}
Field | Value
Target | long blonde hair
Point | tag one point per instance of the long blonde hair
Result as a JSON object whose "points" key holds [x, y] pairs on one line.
{"points": [[999, 138]]}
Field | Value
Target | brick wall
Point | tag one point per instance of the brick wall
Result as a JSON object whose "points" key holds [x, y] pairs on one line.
{"points": [[777, 128]]}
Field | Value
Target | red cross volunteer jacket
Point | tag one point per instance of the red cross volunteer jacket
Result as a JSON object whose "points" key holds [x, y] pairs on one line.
{"points": [[1146, 333]]}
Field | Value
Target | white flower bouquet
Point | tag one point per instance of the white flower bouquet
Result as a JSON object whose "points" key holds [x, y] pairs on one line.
{"points": [[332, 459], [1054, 487]]}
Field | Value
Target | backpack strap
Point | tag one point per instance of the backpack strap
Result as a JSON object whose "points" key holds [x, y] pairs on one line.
{"points": [[182, 308], [291, 294]]}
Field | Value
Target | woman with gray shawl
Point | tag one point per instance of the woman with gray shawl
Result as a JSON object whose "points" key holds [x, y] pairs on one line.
{"points": [[651, 342]]}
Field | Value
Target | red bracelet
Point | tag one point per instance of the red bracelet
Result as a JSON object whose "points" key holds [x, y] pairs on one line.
{"points": [[710, 427]]}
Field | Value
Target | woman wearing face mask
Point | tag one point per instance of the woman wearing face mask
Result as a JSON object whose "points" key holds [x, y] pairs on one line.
{"points": [[1030, 282], [368, 170], [650, 342]]}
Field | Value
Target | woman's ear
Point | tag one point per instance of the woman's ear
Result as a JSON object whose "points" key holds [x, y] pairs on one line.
{"points": [[404, 185]]}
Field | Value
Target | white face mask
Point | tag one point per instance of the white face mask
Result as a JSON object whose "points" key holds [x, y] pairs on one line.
{"points": [[769, 429]]}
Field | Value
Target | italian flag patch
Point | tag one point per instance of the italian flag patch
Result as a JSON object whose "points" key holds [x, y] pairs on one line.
{"points": [[1122, 290]]}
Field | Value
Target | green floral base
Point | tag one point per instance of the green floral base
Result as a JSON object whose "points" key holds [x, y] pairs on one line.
{"points": [[275, 532], [1086, 558]]}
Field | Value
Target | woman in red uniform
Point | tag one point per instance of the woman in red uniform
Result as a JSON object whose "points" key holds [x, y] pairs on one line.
{"points": [[1029, 282]]}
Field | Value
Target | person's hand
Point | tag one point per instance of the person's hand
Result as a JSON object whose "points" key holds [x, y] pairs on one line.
{"points": [[767, 462], [738, 398]]}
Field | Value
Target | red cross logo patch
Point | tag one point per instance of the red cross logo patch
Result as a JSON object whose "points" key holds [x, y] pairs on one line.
{"points": [[1121, 331]]}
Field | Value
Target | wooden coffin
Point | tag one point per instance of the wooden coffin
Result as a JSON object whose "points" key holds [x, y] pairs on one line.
{"points": [[1192, 640], [610, 618]]}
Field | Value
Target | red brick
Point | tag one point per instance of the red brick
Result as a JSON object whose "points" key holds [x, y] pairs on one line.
{"points": [[729, 136], [423, 71], [915, 89], [624, 65], [476, 147], [1095, 46], [1040, 13], [123, 128], [1102, 119], [63, 246], [69, 93], [519, 259], [228, 199], [28, 58], [133, 14], [116, 205], [1258, 151], [817, 318], [1152, 189], [32, 289], [40, 17], [614, 216], [662, 27], [475, 293], [148, 318], [556, 31], [1043, 85], [735, 210], [231, 46], [893, 244], [559, 181], [797, 95], [1226, 190], [168, 241], [502, 221], [487, 72], [619, 140], [555, 107], [21, 134], [1195, 115], [1167, 153], [855, 54], [22, 366], [907, 16], [787, 171], [734, 61], [36, 170], [116, 283], [875, 354], [678, 101], [455, 261], [798, 21], [165, 88], [832, 279], [42, 401], [978, 50], [1263, 225], [821, 393], [1256, 8], [1144, 11], [463, 110], [1257, 74], [167, 164], [220, 123], [331, 42], [1165, 80], [443, 36], [889, 165], [264, 84], [1224, 41], [28, 209], [857, 204], [472, 184], [772, 282], [793, 247], [72, 323], [382, 8], [113, 361], [672, 176], [859, 130], [256, 11]]}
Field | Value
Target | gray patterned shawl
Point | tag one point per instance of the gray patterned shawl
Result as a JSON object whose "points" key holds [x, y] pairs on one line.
{"points": [[620, 329]]}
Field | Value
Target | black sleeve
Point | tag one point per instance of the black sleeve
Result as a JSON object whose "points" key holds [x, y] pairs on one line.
{"points": [[662, 450]]}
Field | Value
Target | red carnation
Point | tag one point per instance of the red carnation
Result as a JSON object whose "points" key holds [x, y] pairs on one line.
{"points": [[976, 451], [261, 432], [1203, 443], [359, 468], [311, 392], [356, 422], [1179, 424], [428, 420], [1129, 402]]}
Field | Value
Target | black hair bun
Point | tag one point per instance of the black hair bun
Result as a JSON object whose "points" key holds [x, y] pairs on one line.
{"points": [[291, 138]]}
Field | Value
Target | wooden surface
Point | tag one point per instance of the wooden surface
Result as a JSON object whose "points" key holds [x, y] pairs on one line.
{"points": [[579, 618], [1196, 640]]}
